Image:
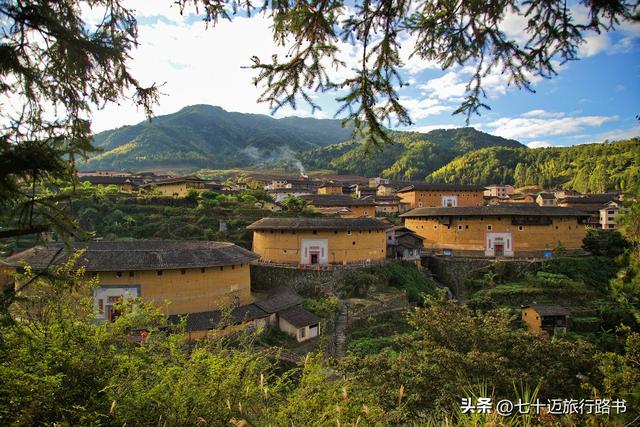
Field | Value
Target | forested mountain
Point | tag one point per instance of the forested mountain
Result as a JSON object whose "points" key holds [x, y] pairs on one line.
{"points": [[207, 136], [413, 156], [589, 167]]}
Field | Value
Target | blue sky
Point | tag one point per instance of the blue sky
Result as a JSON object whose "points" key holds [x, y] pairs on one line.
{"points": [[593, 99]]}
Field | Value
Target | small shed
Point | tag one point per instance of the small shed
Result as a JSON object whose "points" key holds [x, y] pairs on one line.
{"points": [[299, 323], [550, 318]]}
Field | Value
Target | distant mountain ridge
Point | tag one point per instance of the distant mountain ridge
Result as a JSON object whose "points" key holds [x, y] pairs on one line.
{"points": [[204, 136], [207, 137]]}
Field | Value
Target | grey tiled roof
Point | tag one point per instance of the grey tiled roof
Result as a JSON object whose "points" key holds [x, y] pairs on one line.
{"points": [[211, 319], [299, 317], [513, 209], [137, 255], [441, 187], [322, 200], [322, 223], [548, 309], [278, 299]]}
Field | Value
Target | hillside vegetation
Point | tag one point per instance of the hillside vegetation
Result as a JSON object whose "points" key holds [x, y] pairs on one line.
{"points": [[413, 156], [589, 167]]}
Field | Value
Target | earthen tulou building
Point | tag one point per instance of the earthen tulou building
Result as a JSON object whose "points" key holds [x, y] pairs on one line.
{"points": [[319, 241], [497, 230], [192, 276], [419, 195]]}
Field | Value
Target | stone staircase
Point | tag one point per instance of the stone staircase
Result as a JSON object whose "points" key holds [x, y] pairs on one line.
{"points": [[341, 330]]}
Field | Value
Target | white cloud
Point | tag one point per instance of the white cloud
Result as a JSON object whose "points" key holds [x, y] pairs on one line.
{"points": [[421, 108], [542, 114], [445, 87], [594, 44], [429, 128], [539, 126], [614, 135], [539, 144], [204, 66], [413, 64]]}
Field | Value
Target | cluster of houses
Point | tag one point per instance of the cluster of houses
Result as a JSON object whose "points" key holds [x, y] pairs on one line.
{"points": [[200, 279]]}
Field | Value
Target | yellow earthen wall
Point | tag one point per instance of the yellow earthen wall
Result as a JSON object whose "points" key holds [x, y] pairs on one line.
{"points": [[330, 190], [426, 199], [275, 246], [532, 319], [170, 190], [563, 230], [191, 292]]}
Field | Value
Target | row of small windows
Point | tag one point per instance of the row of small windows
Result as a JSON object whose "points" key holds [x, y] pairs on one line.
{"points": [[466, 227], [182, 271], [349, 232]]}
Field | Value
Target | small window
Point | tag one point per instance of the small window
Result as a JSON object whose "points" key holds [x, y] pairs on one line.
{"points": [[131, 274], [349, 232], [301, 332], [556, 227], [459, 227], [221, 268], [489, 227], [159, 272], [183, 271], [202, 270], [353, 243], [233, 267], [119, 274], [466, 227], [520, 228], [315, 231]]}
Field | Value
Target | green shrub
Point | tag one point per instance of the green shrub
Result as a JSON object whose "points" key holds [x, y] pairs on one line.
{"points": [[323, 307], [369, 345]]}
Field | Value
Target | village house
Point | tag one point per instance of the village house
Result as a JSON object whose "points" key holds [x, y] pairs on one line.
{"points": [[403, 244], [358, 207], [330, 188], [449, 195], [499, 190], [508, 230], [608, 214], [561, 194], [319, 241], [364, 191], [104, 173], [192, 276], [546, 199], [529, 189], [124, 184], [386, 205], [176, 187], [386, 190], [520, 198], [285, 311], [552, 319], [591, 204], [280, 309], [281, 194]]}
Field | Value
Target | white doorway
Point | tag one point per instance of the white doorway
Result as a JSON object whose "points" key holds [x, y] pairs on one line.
{"points": [[450, 201], [499, 244], [314, 252]]}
